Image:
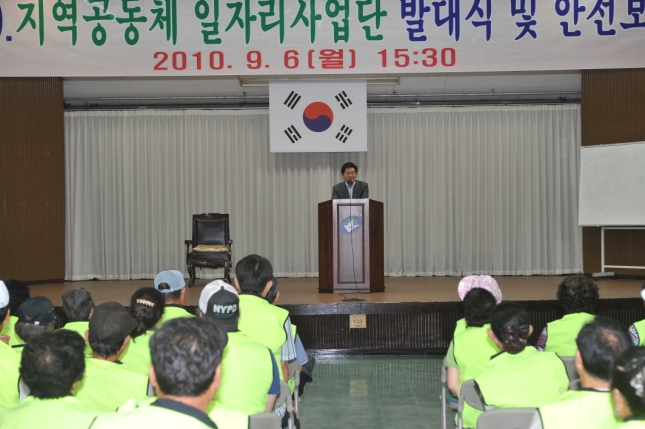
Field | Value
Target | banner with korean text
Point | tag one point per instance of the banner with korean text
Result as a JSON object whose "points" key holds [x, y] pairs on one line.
{"points": [[71, 38], [317, 116]]}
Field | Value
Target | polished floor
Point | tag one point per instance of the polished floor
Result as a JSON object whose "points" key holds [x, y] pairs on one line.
{"points": [[373, 392], [397, 289]]}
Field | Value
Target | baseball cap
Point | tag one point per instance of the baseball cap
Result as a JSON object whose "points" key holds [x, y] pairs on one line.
{"points": [[4, 295], [484, 282], [112, 322], [37, 310], [174, 278], [220, 302]]}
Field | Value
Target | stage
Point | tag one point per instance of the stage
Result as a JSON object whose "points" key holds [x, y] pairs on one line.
{"points": [[415, 315]]}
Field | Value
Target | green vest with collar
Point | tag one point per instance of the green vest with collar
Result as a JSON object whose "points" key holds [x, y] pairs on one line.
{"points": [[141, 414], [9, 375], [173, 311], [80, 327], [589, 409], [460, 327], [107, 385], [59, 413], [561, 334], [246, 376], [632, 424], [528, 379], [473, 349], [263, 323]]}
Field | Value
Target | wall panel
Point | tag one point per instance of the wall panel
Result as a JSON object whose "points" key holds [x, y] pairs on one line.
{"points": [[32, 179], [613, 111]]}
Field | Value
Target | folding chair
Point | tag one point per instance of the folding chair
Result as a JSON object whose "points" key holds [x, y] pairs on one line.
{"points": [[572, 373], [507, 418], [294, 372], [265, 421], [285, 397], [468, 394], [444, 395]]}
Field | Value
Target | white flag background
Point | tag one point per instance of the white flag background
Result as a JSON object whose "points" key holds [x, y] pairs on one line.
{"points": [[318, 116]]}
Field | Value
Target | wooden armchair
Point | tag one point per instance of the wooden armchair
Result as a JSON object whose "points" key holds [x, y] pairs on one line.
{"points": [[210, 246]]}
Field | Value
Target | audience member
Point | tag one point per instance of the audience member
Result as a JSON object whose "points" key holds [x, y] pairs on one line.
{"points": [[18, 293], [147, 307], [470, 351], [599, 343], [628, 388], [35, 316], [107, 384], [172, 285], [469, 283], [9, 360], [518, 376], [78, 307], [186, 355], [51, 366], [578, 297], [250, 380], [637, 329], [262, 322]]}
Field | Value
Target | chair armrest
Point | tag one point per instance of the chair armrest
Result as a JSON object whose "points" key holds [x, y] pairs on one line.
{"points": [[188, 243], [230, 242]]}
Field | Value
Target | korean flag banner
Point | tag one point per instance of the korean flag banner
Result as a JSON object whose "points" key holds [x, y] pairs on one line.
{"points": [[318, 116]]}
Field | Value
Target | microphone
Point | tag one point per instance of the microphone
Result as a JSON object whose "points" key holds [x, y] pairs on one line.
{"points": [[350, 182]]}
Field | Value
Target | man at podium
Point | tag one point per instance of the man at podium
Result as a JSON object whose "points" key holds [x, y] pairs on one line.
{"points": [[350, 187]]}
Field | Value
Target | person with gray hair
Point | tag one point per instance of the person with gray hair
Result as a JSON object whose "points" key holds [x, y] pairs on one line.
{"points": [[78, 306]]}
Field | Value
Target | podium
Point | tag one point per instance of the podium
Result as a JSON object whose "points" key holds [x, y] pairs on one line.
{"points": [[351, 246]]}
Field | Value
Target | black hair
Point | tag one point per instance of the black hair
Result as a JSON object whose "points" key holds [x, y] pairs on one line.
{"points": [[628, 376], [146, 306], [599, 343], [185, 354], [169, 296], [348, 165], [510, 323], [53, 363], [105, 348], [253, 273], [77, 304], [29, 331], [273, 291], [577, 294], [478, 306], [18, 293]]}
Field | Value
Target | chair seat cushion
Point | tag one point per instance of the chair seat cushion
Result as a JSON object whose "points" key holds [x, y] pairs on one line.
{"points": [[215, 248]]}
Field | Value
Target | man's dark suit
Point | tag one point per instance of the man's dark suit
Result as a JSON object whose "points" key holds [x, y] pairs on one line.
{"points": [[339, 191]]}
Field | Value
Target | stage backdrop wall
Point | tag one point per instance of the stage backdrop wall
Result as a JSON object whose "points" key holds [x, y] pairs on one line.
{"points": [[485, 189]]}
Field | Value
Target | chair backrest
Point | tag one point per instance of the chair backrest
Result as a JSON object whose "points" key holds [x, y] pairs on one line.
{"points": [[471, 395], [570, 366], [265, 421], [210, 228], [507, 418]]}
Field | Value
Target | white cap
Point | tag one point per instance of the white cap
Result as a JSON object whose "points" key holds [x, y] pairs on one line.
{"points": [[212, 288], [4, 295]]}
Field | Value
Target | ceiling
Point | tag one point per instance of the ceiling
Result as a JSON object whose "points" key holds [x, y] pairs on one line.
{"points": [[411, 90]]}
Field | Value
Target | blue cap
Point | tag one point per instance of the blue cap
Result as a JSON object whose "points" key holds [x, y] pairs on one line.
{"points": [[173, 278]]}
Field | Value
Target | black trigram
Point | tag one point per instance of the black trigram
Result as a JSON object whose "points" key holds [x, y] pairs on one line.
{"points": [[292, 100], [293, 134], [343, 99], [344, 133]]}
